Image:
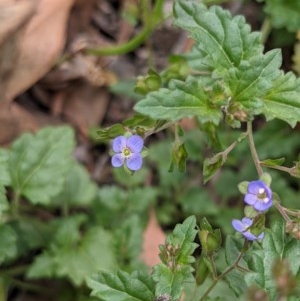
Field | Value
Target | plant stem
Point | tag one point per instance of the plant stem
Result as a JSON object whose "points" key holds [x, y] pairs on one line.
{"points": [[265, 30], [221, 276], [253, 149], [150, 23], [15, 205]]}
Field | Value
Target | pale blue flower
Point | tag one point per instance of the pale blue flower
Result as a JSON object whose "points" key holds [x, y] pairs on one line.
{"points": [[128, 151], [259, 196], [243, 227]]}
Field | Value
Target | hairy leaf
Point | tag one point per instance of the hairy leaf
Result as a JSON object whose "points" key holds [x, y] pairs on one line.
{"points": [[176, 256], [249, 82], [182, 99], [38, 163], [222, 41], [122, 286], [283, 101]]}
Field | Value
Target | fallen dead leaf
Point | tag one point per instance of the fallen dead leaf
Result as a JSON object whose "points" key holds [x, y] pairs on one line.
{"points": [[37, 45]]}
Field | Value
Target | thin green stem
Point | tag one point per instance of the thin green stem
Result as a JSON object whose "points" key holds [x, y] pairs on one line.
{"points": [[253, 149], [150, 23], [265, 30], [278, 167], [15, 205], [221, 276]]}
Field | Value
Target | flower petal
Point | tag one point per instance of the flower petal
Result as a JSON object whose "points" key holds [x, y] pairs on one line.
{"points": [[117, 160], [238, 225], [250, 199], [247, 221], [134, 162], [261, 235], [249, 235], [119, 143], [254, 186], [135, 143], [261, 206]]}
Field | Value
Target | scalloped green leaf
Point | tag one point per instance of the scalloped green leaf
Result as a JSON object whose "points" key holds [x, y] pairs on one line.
{"points": [[182, 99], [122, 286], [177, 258], [38, 163], [283, 101], [222, 41], [253, 79]]}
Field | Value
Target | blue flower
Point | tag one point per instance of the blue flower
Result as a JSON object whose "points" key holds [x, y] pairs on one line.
{"points": [[243, 227], [259, 196], [128, 151]]}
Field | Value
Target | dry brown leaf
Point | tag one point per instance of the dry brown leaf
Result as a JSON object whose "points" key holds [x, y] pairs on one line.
{"points": [[36, 46]]}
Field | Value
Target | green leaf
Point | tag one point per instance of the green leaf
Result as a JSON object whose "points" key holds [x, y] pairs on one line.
{"points": [[282, 101], [4, 173], [78, 260], [128, 241], [177, 258], [235, 278], [170, 283], [275, 245], [78, 189], [222, 41], [249, 82], [284, 13], [212, 165], [273, 162], [38, 163], [8, 246], [182, 99], [122, 286], [110, 132]]}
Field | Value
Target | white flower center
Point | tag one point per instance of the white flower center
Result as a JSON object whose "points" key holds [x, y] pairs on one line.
{"points": [[126, 152]]}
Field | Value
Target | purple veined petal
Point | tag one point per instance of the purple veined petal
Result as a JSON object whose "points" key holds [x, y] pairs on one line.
{"points": [[247, 221], [254, 186], [119, 143], [238, 225], [134, 162], [261, 206], [250, 199], [117, 160], [249, 235], [135, 143]]}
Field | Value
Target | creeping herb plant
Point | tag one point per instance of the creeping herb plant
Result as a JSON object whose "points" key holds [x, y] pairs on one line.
{"points": [[228, 82], [221, 185]]}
